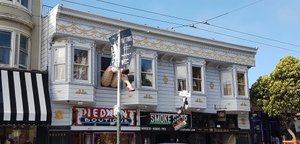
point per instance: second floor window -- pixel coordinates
(227, 83)
(23, 54)
(24, 3)
(5, 47)
(105, 63)
(181, 74)
(197, 79)
(59, 64)
(241, 83)
(81, 64)
(146, 72)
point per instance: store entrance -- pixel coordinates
(102, 138)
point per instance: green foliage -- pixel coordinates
(278, 94)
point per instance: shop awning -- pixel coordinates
(24, 98)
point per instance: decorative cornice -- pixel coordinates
(164, 45)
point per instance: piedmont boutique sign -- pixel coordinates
(102, 116)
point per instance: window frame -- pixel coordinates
(23, 50)
(245, 84)
(202, 78)
(232, 83)
(63, 64)
(176, 75)
(14, 58)
(153, 73)
(10, 48)
(100, 71)
(88, 64)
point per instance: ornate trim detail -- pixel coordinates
(199, 51)
(81, 91)
(148, 96)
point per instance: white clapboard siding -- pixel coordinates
(106, 97)
(213, 95)
(48, 29)
(61, 114)
(166, 96)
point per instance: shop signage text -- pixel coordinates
(165, 118)
(103, 116)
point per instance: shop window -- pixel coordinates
(81, 64)
(59, 64)
(18, 135)
(147, 72)
(227, 83)
(181, 74)
(241, 84)
(111, 138)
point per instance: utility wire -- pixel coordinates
(121, 12)
(192, 26)
(205, 22)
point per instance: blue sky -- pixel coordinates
(274, 19)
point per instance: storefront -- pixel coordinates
(93, 125)
(158, 127)
(25, 110)
(218, 128)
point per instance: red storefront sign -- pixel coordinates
(102, 116)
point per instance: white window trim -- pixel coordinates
(153, 73)
(89, 80)
(176, 78)
(53, 66)
(99, 72)
(202, 79)
(232, 84)
(143, 54)
(14, 51)
(246, 85)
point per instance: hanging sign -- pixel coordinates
(121, 48)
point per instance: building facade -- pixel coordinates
(165, 68)
(24, 98)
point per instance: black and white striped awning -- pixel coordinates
(24, 98)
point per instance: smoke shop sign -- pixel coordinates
(165, 118)
(102, 116)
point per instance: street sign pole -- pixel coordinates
(119, 92)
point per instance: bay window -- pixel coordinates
(147, 72)
(190, 76)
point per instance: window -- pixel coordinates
(23, 54)
(105, 63)
(227, 83)
(181, 77)
(80, 64)
(24, 3)
(5, 47)
(147, 72)
(241, 84)
(197, 78)
(59, 64)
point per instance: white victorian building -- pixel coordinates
(166, 66)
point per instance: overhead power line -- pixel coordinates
(219, 33)
(205, 22)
